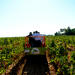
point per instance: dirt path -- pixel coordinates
(36, 65)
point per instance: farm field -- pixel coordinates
(37, 37)
(10, 50)
(61, 52)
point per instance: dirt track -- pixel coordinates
(36, 65)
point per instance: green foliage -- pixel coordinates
(59, 53)
(2, 70)
(52, 43)
(10, 47)
(73, 62)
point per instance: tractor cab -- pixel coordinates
(34, 43)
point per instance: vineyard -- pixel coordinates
(10, 50)
(61, 52)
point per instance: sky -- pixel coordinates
(19, 17)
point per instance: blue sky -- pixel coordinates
(19, 17)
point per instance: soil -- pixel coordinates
(36, 65)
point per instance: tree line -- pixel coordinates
(66, 31)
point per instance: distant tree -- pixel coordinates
(58, 33)
(67, 31)
(62, 30)
(73, 31)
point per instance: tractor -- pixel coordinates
(35, 44)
